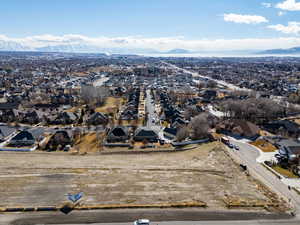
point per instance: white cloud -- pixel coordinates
(289, 5)
(247, 19)
(280, 13)
(160, 43)
(266, 4)
(291, 28)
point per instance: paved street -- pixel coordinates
(220, 82)
(191, 216)
(153, 119)
(248, 154)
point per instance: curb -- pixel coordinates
(95, 207)
(272, 171)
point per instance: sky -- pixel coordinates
(197, 25)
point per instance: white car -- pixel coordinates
(142, 222)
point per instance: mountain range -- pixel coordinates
(6, 45)
(280, 51)
(84, 48)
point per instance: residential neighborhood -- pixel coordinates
(118, 110)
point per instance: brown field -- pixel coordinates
(111, 105)
(205, 174)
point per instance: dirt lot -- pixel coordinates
(203, 174)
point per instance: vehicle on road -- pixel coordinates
(230, 145)
(142, 222)
(236, 147)
(225, 140)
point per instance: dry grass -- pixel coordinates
(204, 174)
(111, 105)
(139, 144)
(236, 202)
(264, 145)
(284, 172)
(88, 143)
(297, 121)
(217, 136)
(155, 205)
(265, 133)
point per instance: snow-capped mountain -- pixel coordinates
(12, 46)
(82, 48)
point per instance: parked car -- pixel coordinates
(230, 145)
(142, 222)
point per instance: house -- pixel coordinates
(60, 138)
(9, 115)
(118, 134)
(178, 122)
(23, 138)
(209, 94)
(66, 118)
(170, 133)
(6, 131)
(30, 117)
(283, 127)
(144, 133)
(289, 149)
(97, 118)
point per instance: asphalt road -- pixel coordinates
(169, 216)
(248, 154)
(150, 107)
(220, 82)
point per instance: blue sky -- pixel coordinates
(187, 19)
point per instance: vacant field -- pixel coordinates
(203, 174)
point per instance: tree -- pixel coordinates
(190, 111)
(93, 95)
(211, 84)
(182, 133)
(145, 142)
(200, 126)
(252, 109)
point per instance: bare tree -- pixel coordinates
(93, 95)
(211, 84)
(200, 126)
(252, 109)
(182, 133)
(190, 111)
